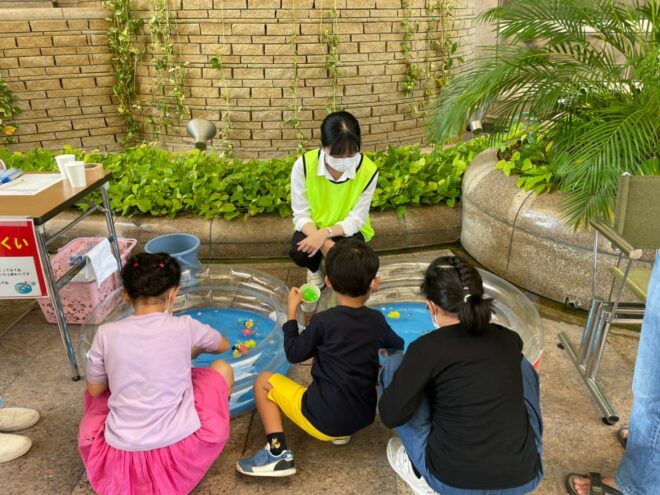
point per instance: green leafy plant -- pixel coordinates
(150, 180)
(171, 74)
(8, 110)
(589, 72)
(527, 154)
(407, 176)
(122, 43)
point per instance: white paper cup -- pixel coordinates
(76, 173)
(62, 160)
(310, 306)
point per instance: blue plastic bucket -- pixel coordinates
(183, 247)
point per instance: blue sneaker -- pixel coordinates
(263, 463)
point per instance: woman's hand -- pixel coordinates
(295, 298)
(313, 242)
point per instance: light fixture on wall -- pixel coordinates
(474, 122)
(201, 131)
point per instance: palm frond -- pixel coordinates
(589, 71)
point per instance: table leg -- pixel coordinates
(111, 224)
(51, 282)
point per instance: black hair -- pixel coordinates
(149, 275)
(351, 265)
(340, 134)
(454, 285)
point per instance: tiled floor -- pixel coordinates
(33, 374)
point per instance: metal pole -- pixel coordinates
(51, 282)
(111, 224)
(589, 329)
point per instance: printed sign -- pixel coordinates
(21, 273)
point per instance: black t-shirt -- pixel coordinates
(344, 343)
(480, 434)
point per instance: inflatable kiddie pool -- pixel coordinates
(246, 306)
(401, 301)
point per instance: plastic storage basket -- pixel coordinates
(80, 298)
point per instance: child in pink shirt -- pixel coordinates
(151, 424)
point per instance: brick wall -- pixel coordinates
(57, 63)
(252, 36)
(78, 3)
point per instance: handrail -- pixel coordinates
(617, 240)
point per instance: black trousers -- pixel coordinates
(313, 263)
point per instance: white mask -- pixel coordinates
(435, 324)
(343, 164)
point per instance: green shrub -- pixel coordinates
(527, 154)
(150, 180)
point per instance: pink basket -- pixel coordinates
(80, 298)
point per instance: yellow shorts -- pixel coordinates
(288, 394)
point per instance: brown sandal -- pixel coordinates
(596, 485)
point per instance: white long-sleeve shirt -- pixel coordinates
(302, 213)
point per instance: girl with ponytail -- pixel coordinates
(463, 400)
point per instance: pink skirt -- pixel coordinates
(174, 469)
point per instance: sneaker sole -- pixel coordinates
(391, 453)
(342, 441)
(267, 474)
(17, 454)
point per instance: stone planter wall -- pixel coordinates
(267, 236)
(522, 237)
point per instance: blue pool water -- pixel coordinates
(410, 320)
(267, 353)
(230, 323)
(413, 320)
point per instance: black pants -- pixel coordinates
(313, 263)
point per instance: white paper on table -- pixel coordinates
(29, 184)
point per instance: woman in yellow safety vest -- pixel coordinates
(331, 192)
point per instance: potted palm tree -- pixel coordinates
(588, 72)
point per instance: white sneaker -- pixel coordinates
(317, 278)
(400, 462)
(17, 418)
(341, 441)
(13, 446)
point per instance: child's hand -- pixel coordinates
(295, 298)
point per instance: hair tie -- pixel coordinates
(136, 264)
(161, 265)
(467, 296)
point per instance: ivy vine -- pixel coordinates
(8, 110)
(413, 72)
(295, 106)
(331, 41)
(168, 95)
(444, 46)
(431, 76)
(225, 116)
(122, 43)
